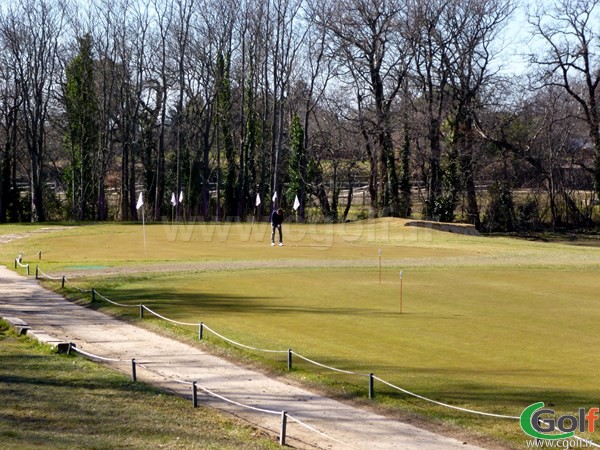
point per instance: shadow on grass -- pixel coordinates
(511, 400)
(38, 365)
(193, 304)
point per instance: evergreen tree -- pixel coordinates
(226, 138)
(82, 131)
(297, 162)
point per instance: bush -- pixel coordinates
(500, 213)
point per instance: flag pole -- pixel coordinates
(295, 207)
(140, 204)
(144, 229)
(256, 205)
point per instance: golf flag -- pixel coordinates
(257, 199)
(296, 203)
(140, 202)
(274, 196)
(180, 196)
(173, 201)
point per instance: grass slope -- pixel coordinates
(55, 401)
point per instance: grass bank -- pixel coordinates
(56, 401)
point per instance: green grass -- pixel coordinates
(492, 324)
(56, 401)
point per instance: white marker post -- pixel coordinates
(256, 205)
(401, 273)
(295, 207)
(140, 204)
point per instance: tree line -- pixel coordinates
(219, 103)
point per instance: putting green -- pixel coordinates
(492, 324)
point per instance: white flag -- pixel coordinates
(257, 199)
(296, 203)
(274, 196)
(140, 202)
(180, 196)
(173, 201)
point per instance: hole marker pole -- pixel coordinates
(401, 273)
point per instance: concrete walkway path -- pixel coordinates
(161, 361)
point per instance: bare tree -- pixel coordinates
(473, 29)
(9, 115)
(31, 31)
(368, 38)
(430, 48)
(570, 34)
(287, 42)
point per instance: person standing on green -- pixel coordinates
(276, 221)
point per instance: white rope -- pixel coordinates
(501, 416)
(114, 303)
(587, 442)
(169, 320)
(189, 383)
(83, 291)
(91, 355)
(328, 367)
(23, 255)
(47, 276)
(18, 261)
(242, 345)
(253, 408)
(314, 430)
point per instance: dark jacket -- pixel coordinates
(276, 219)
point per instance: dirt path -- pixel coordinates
(161, 361)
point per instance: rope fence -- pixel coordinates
(283, 414)
(314, 430)
(91, 355)
(290, 352)
(471, 411)
(329, 367)
(242, 345)
(19, 264)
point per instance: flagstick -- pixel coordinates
(401, 292)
